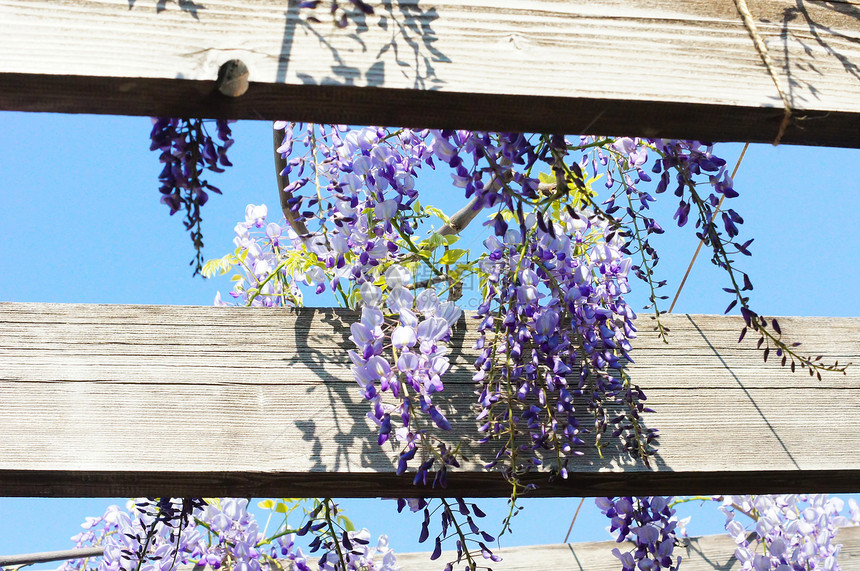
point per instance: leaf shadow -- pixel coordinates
(189, 6)
(810, 26)
(409, 34)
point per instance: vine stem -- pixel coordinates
(327, 502)
(462, 218)
(701, 242)
(466, 552)
(48, 556)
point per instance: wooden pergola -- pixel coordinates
(246, 379)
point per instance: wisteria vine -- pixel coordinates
(554, 328)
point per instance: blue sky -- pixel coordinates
(82, 222)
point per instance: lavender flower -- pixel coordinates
(788, 531)
(222, 533)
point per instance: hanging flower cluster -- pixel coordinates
(186, 149)
(647, 522)
(554, 326)
(161, 534)
(404, 355)
(787, 532)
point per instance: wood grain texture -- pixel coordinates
(706, 553)
(113, 400)
(648, 68)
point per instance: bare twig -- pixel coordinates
(761, 48)
(430, 282)
(463, 217)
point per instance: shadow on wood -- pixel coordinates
(538, 66)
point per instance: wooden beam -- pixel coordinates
(706, 553)
(668, 69)
(112, 400)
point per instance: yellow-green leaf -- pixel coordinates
(433, 242)
(436, 212)
(346, 522)
(452, 256)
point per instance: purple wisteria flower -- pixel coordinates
(416, 328)
(186, 150)
(551, 283)
(649, 523)
(222, 534)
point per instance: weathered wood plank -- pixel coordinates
(205, 401)
(706, 553)
(675, 69)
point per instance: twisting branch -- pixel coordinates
(280, 164)
(462, 218)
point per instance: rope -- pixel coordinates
(760, 46)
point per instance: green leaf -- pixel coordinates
(353, 298)
(266, 504)
(412, 267)
(346, 522)
(451, 238)
(433, 242)
(451, 256)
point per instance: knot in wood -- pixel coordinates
(232, 78)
